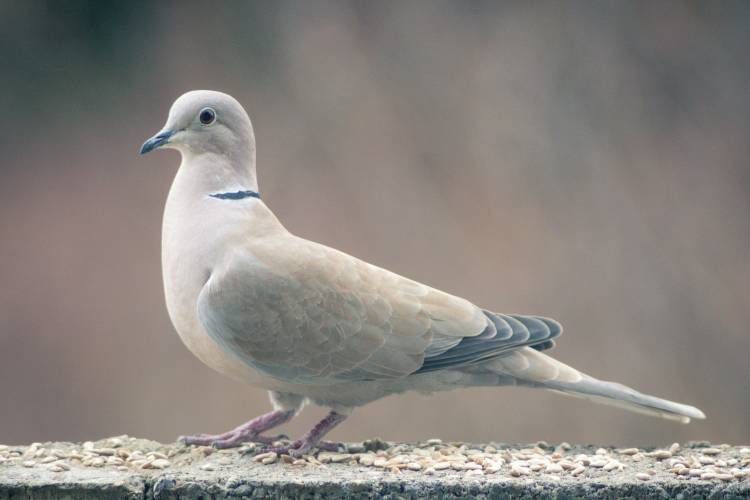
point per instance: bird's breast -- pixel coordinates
(192, 245)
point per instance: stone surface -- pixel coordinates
(128, 468)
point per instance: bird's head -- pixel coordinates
(205, 121)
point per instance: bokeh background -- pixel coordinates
(582, 160)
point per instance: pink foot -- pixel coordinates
(249, 431)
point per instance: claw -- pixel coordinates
(294, 449)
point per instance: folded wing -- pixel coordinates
(307, 313)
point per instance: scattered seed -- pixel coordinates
(612, 465)
(160, 463)
(260, 456)
(335, 458)
(553, 468)
(62, 465)
(429, 457)
(115, 442)
(205, 450)
(492, 469)
(566, 465)
(104, 451)
(517, 471)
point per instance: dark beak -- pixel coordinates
(158, 140)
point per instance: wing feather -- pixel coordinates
(306, 313)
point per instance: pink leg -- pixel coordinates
(313, 437)
(249, 431)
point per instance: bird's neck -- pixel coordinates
(208, 174)
(199, 222)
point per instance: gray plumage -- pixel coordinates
(308, 322)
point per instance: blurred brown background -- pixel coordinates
(583, 160)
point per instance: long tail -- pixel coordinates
(532, 368)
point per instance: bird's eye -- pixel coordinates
(207, 116)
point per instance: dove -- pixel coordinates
(311, 324)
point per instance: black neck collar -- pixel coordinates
(237, 195)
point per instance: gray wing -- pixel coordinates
(305, 313)
(510, 332)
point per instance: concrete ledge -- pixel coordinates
(128, 468)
